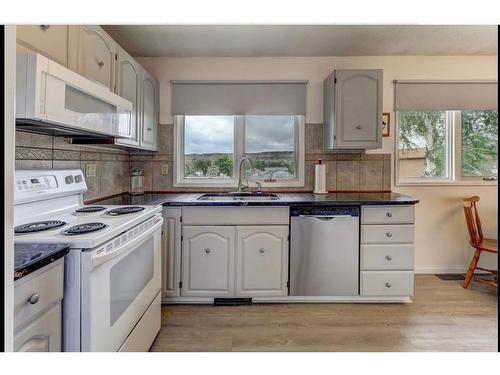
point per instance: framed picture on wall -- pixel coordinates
(386, 124)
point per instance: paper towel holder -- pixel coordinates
(320, 178)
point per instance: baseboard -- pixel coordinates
(440, 269)
(432, 270)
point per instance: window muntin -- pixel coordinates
(270, 144)
(461, 149)
(208, 147)
(479, 143)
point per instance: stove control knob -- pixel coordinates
(78, 178)
(68, 179)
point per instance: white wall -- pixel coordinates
(9, 142)
(441, 244)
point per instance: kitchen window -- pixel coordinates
(447, 147)
(209, 148)
(446, 132)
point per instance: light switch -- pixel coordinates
(164, 169)
(90, 170)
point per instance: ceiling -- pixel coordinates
(328, 40)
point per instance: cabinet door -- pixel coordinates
(48, 40)
(358, 108)
(171, 252)
(128, 80)
(208, 261)
(149, 109)
(43, 334)
(94, 57)
(262, 261)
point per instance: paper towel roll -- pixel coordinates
(320, 179)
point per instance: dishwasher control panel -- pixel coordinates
(324, 211)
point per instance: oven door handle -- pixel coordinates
(97, 260)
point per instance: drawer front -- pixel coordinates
(388, 214)
(47, 283)
(387, 257)
(387, 233)
(234, 215)
(387, 283)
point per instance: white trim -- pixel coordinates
(239, 147)
(425, 270)
(293, 299)
(9, 142)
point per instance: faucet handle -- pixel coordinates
(259, 185)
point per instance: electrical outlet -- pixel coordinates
(164, 169)
(90, 170)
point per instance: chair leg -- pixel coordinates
(472, 267)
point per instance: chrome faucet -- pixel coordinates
(240, 186)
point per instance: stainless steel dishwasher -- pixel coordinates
(324, 251)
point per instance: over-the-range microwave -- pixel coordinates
(51, 99)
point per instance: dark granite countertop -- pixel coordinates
(285, 199)
(30, 257)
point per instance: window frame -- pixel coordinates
(239, 152)
(453, 160)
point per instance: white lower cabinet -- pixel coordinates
(42, 334)
(208, 261)
(261, 261)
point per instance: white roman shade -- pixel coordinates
(238, 97)
(445, 95)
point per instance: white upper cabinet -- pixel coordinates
(208, 261)
(149, 111)
(92, 53)
(128, 86)
(49, 40)
(353, 109)
(261, 260)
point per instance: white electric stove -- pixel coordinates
(112, 272)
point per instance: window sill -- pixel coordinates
(447, 183)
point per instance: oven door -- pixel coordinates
(120, 280)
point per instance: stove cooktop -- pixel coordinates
(38, 226)
(84, 228)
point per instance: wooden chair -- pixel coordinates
(479, 243)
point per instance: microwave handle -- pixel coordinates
(97, 260)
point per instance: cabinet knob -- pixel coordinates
(388, 285)
(261, 250)
(44, 27)
(34, 298)
(101, 64)
(389, 234)
(148, 129)
(388, 257)
(359, 127)
(207, 250)
(389, 214)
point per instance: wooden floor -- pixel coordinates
(443, 317)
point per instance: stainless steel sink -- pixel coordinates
(238, 196)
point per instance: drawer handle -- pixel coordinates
(389, 214)
(101, 64)
(388, 257)
(388, 285)
(389, 234)
(207, 250)
(34, 298)
(44, 27)
(261, 250)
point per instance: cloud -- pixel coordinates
(215, 134)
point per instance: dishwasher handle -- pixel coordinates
(327, 216)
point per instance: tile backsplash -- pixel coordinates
(345, 171)
(34, 151)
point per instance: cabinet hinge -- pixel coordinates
(180, 284)
(182, 238)
(180, 219)
(335, 80)
(334, 137)
(116, 56)
(162, 232)
(288, 284)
